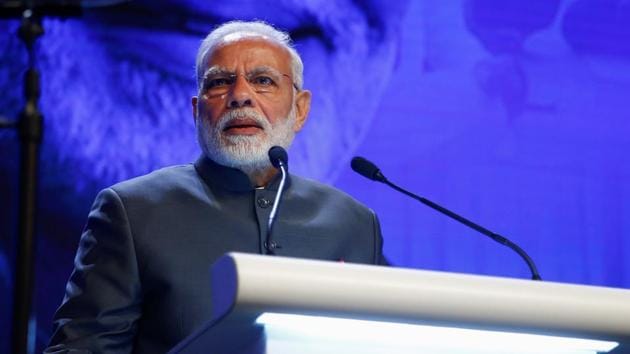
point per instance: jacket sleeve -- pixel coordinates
(379, 257)
(102, 303)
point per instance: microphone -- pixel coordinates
(278, 156)
(369, 170)
(279, 159)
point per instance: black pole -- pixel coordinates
(30, 132)
(30, 129)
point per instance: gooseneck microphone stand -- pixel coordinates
(369, 170)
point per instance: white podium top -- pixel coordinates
(248, 284)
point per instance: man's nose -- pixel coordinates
(240, 95)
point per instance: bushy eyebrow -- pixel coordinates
(264, 69)
(217, 70)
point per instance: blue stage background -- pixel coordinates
(513, 113)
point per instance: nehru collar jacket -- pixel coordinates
(141, 281)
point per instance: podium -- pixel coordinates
(273, 305)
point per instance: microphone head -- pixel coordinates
(367, 169)
(278, 155)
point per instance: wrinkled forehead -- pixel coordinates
(252, 48)
(250, 38)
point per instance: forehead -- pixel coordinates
(247, 53)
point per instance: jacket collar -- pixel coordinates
(231, 179)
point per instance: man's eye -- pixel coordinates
(262, 80)
(218, 82)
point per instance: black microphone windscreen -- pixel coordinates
(366, 169)
(278, 154)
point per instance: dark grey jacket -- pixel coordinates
(141, 278)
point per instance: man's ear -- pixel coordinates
(303, 106)
(195, 108)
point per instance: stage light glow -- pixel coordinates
(318, 334)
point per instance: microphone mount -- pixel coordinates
(280, 160)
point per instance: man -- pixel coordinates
(141, 278)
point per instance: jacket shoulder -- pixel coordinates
(308, 188)
(162, 180)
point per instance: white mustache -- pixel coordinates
(242, 114)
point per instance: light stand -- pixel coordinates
(30, 128)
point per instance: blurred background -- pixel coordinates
(514, 113)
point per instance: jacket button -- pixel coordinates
(271, 245)
(263, 202)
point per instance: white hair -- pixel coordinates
(242, 29)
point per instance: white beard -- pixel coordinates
(248, 153)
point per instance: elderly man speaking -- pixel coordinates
(141, 277)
